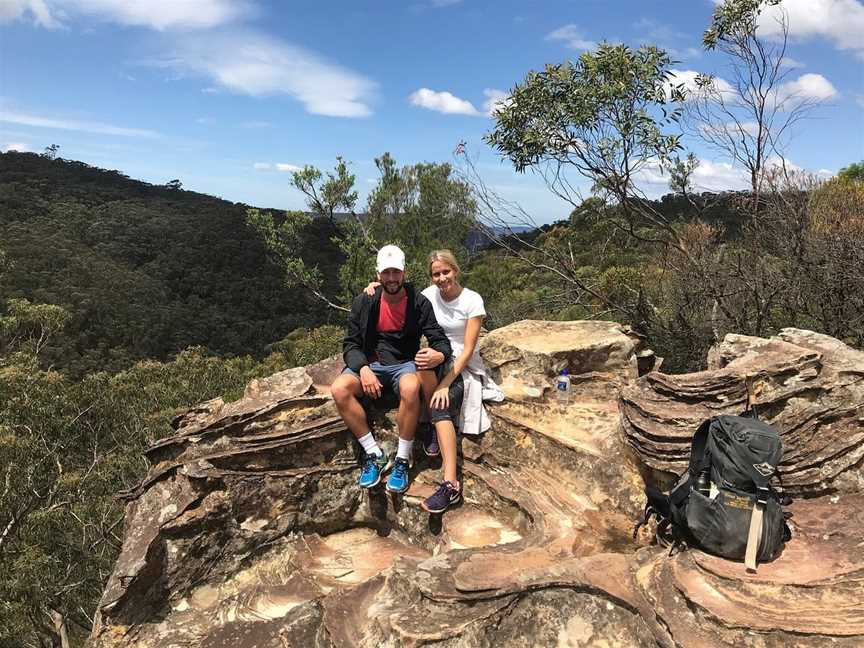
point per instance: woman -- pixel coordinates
(458, 398)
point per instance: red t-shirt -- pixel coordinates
(391, 317)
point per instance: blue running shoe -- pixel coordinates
(398, 481)
(373, 467)
(446, 496)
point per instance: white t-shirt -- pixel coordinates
(453, 315)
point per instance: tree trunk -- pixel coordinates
(59, 622)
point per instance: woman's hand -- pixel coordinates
(440, 399)
(370, 289)
(428, 358)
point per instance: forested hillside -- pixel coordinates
(144, 271)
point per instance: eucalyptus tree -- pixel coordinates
(750, 114)
(609, 117)
(417, 206)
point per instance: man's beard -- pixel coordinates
(395, 291)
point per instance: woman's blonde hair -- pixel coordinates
(445, 256)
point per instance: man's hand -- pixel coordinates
(370, 289)
(369, 381)
(428, 358)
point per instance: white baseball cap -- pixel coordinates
(390, 256)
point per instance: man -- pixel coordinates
(382, 352)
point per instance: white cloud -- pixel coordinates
(572, 37)
(443, 102)
(74, 125)
(16, 146)
(253, 64)
(859, 99)
(37, 9)
(790, 63)
(778, 162)
(809, 87)
(708, 176)
(155, 14)
(278, 166)
(840, 21)
(651, 174)
(687, 78)
(494, 100)
(719, 176)
(713, 176)
(733, 129)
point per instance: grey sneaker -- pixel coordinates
(446, 496)
(430, 443)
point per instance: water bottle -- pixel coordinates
(703, 482)
(562, 387)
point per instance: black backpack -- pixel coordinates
(724, 503)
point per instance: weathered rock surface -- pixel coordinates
(810, 386)
(249, 529)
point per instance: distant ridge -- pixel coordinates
(144, 270)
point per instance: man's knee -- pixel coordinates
(428, 380)
(341, 390)
(409, 387)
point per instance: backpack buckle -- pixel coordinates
(762, 493)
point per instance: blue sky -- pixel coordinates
(230, 95)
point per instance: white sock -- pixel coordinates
(369, 444)
(404, 451)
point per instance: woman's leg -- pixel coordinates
(445, 430)
(447, 441)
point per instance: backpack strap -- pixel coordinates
(752, 393)
(754, 536)
(656, 506)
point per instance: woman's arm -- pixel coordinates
(370, 289)
(472, 334)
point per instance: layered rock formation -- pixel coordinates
(249, 529)
(810, 386)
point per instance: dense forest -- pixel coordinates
(144, 271)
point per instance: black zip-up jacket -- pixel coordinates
(361, 339)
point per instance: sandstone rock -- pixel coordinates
(249, 529)
(809, 386)
(811, 596)
(526, 357)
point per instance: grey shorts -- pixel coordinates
(389, 375)
(456, 393)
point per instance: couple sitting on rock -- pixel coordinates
(382, 352)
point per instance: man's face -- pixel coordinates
(392, 280)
